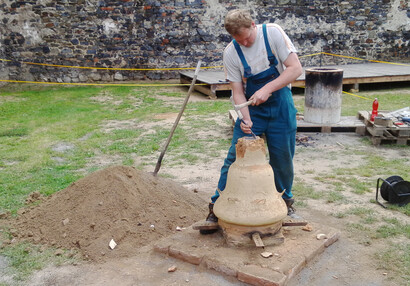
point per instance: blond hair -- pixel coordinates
(237, 19)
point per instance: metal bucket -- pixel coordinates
(323, 95)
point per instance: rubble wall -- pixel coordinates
(143, 34)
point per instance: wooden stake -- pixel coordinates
(191, 88)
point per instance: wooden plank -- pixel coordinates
(378, 140)
(208, 77)
(201, 88)
(346, 124)
(377, 130)
(379, 134)
(352, 74)
(257, 240)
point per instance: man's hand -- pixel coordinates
(291, 73)
(260, 96)
(246, 126)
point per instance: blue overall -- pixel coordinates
(276, 118)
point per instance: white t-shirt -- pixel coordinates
(256, 55)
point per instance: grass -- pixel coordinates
(120, 123)
(24, 258)
(39, 119)
(395, 260)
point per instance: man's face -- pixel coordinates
(246, 36)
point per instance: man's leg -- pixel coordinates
(281, 145)
(230, 158)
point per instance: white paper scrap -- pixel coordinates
(112, 244)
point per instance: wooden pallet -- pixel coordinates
(384, 134)
(213, 82)
(346, 124)
(389, 139)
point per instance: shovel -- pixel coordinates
(191, 88)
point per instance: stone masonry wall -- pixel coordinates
(144, 34)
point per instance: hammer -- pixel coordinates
(238, 108)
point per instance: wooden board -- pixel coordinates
(379, 134)
(346, 124)
(213, 81)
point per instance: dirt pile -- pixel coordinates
(122, 203)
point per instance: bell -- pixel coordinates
(250, 202)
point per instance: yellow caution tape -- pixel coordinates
(162, 69)
(346, 93)
(362, 97)
(101, 68)
(374, 61)
(311, 55)
(128, 84)
(101, 84)
(190, 68)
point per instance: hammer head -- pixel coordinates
(237, 110)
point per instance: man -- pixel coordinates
(260, 63)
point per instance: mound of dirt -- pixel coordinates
(121, 203)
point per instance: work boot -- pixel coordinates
(289, 205)
(211, 218)
(291, 209)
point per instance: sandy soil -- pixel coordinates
(183, 201)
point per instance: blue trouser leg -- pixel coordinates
(281, 137)
(281, 146)
(230, 158)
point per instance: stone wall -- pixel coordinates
(143, 34)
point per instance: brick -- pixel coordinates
(185, 256)
(256, 275)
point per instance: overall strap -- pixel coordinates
(247, 68)
(271, 57)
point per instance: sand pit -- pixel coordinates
(122, 203)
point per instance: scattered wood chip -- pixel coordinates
(179, 228)
(266, 254)
(307, 227)
(321, 236)
(112, 244)
(59, 252)
(66, 221)
(173, 268)
(4, 215)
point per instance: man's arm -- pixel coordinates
(291, 73)
(238, 98)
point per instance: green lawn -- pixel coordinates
(49, 136)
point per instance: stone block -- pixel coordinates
(246, 263)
